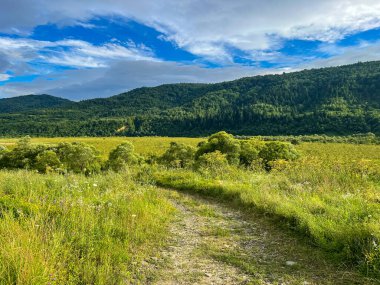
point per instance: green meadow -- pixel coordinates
(98, 228)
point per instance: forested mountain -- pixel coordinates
(335, 100)
(31, 103)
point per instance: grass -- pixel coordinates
(73, 229)
(331, 195)
(65, 228)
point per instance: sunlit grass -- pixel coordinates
(331, 195)
(143, 145)
(73, 229)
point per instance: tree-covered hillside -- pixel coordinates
(336, 100)
(31, 103)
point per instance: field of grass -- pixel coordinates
(331, 194)
(73, 229)
(84, 229)
(143, 145)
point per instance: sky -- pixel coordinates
(81, 49)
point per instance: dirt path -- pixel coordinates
(215, 244)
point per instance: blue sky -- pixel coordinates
(96, 49)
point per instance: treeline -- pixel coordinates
(335, 101)
(218, 153)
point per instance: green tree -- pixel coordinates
(223, 142)
(47, 161)
(79, 157)
(249, 151)
(178, 155)
(273, 151)
(122, 156)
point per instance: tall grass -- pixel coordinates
(332, 200)
(73, 229)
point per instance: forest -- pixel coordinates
(340, 100)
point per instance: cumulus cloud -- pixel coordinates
(73, 53)
(203, 26)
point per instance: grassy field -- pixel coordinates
(143, 145)
(73, 227)
(331, 194)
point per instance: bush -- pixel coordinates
(249, 151)
(224, 143)
(178, 155)
(22, 156)
(47, 161)
(122, 156)
(273, 151)
(79, 157)
(212, 163)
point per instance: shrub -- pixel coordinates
(22, 156)
(121, 156)
(47, 161)
(178, 155)
(79, 157)
(249, 151)
(224, 143)
(273, 151)
(212, 163)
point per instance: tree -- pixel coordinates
(22, 156)
(273, 151)
(178, 155)
(249, 151)
(223, 142)
(121, 156)
(47, 161)
(79, 157)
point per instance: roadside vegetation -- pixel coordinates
(328, 193)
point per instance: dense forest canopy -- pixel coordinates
(337, 100)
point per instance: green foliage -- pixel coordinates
(47, 161)
(178, 155)
(3, 150)
(224, 143)
(273, 151)
(122, 156)
(249, 151)
(79, 157)
(212, 163)
(22, 156)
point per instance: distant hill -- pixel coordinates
(336, 100)
(30, 103)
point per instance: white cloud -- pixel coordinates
(76, 53)
(203, 26)
(4, 77)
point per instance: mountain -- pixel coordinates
(30, 103)
(336, 100)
